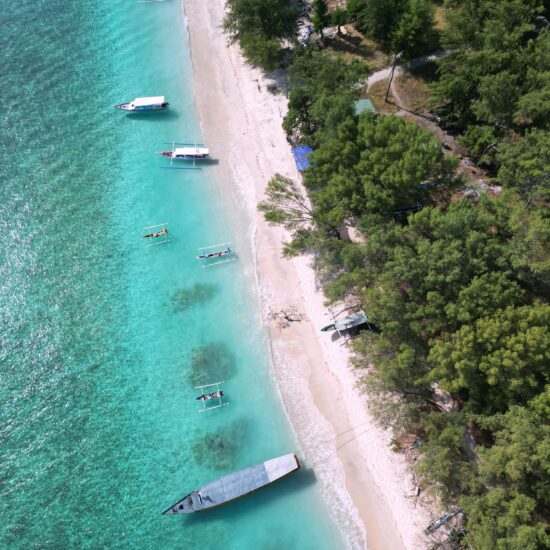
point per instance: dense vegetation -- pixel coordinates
(496, 82)
(260, 26)
(401, 25)
(457, 286)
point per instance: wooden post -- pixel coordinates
(394, 63)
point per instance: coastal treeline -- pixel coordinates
(454, 275)
(260, 27)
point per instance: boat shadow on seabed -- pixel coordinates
(284, 487)
(167, 114)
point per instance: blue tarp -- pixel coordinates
(301, 155)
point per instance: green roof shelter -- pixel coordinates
(364, 105)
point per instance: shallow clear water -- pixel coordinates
(103, 339)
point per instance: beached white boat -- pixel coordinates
(144, 104)
(187, 152)
(235, 485)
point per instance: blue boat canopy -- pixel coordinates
(301, 157)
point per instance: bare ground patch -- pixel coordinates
(377, 94)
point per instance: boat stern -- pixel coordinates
(282, 466)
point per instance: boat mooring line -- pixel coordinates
(340, 446)
(346, 431)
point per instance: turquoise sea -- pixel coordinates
(103, 339)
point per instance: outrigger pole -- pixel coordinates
(226, 251)
(217, 394)
(173, 143)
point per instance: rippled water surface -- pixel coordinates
(103, 339)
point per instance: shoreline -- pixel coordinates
(370, 490)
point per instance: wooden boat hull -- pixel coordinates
(235, 485)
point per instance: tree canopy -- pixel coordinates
(496, 79)
(370, 166)
(319, 16)
(500, 360)
(321, 93)
(259, 26)
(401, 25)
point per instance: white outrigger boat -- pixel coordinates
(235, 485)
(144, 104)
(186, 151)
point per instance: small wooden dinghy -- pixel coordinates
(235, 485)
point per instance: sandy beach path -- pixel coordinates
(366, 485)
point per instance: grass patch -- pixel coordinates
(440, 22)
(377, 94)
(414, 88)
(354, 45)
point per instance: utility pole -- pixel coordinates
(394, 63)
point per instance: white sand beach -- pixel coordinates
(366, 485)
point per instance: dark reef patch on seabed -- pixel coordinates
(219, 450)
(187, 297)
(211, 363)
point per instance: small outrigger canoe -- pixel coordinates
(235, 485)
(161, 233)
(216, 254)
